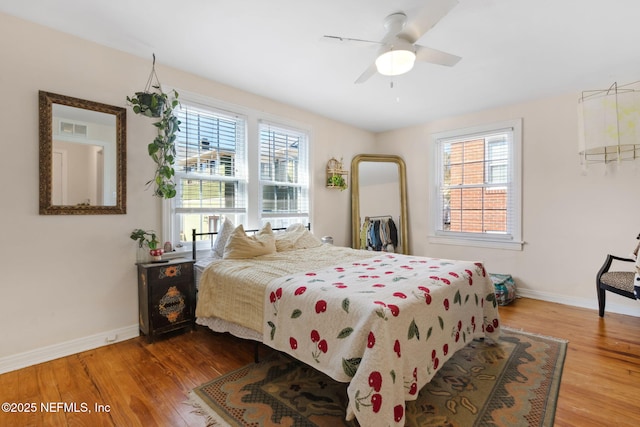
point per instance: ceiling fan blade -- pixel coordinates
(429, 16)
(348, 40)
(434, 56)
(367, 74)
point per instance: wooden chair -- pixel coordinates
(619, 282)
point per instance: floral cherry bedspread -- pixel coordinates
(385, 325)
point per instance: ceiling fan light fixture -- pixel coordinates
(393, 62)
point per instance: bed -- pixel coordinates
(382, 322)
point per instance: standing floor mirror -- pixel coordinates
(379, 192)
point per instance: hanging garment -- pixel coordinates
(376, 243)
(384, 234)
(364, 231)
(393, 233)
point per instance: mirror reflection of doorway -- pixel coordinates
(78, 174)
(59, 181)
(99, 183)
(88, 138)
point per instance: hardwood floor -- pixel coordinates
(147, 384)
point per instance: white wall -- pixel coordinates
(571, 220)
(69, 281)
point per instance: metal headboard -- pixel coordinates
(194, 235)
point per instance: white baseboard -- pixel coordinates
(55, 351)
(591, 303)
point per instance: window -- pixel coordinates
(497, 157)
(236, 165)
(284, 178)
(476, 186)
(210, 171)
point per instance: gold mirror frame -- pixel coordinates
(355, 197)
(46, 101)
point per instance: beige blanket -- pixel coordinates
(233, 290)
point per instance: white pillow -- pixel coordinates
(223, 237)
(241, 246)
(296, 237)
(296, 227)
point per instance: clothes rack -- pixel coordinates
(379, 233)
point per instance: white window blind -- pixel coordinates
(284, 175)
(211, 170)
(477, 185)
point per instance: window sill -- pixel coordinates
(177, 253)
(478, 243)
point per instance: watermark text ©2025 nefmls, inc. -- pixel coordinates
(76, 407)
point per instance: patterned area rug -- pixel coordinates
(513, 383)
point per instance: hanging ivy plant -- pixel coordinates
(153, 102)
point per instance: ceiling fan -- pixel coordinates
(398, 51)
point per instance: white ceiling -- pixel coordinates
(512, 50)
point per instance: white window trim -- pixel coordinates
(488, 240)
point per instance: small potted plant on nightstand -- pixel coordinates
(147, 238)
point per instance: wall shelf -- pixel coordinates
(337, 177)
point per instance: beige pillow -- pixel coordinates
(296, 237)
(240, 246)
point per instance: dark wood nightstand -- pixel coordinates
(166, 297)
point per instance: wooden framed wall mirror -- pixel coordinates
(82, 156)
(379, 190)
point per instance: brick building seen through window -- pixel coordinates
(474, 191)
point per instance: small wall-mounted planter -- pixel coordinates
(336, 176)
